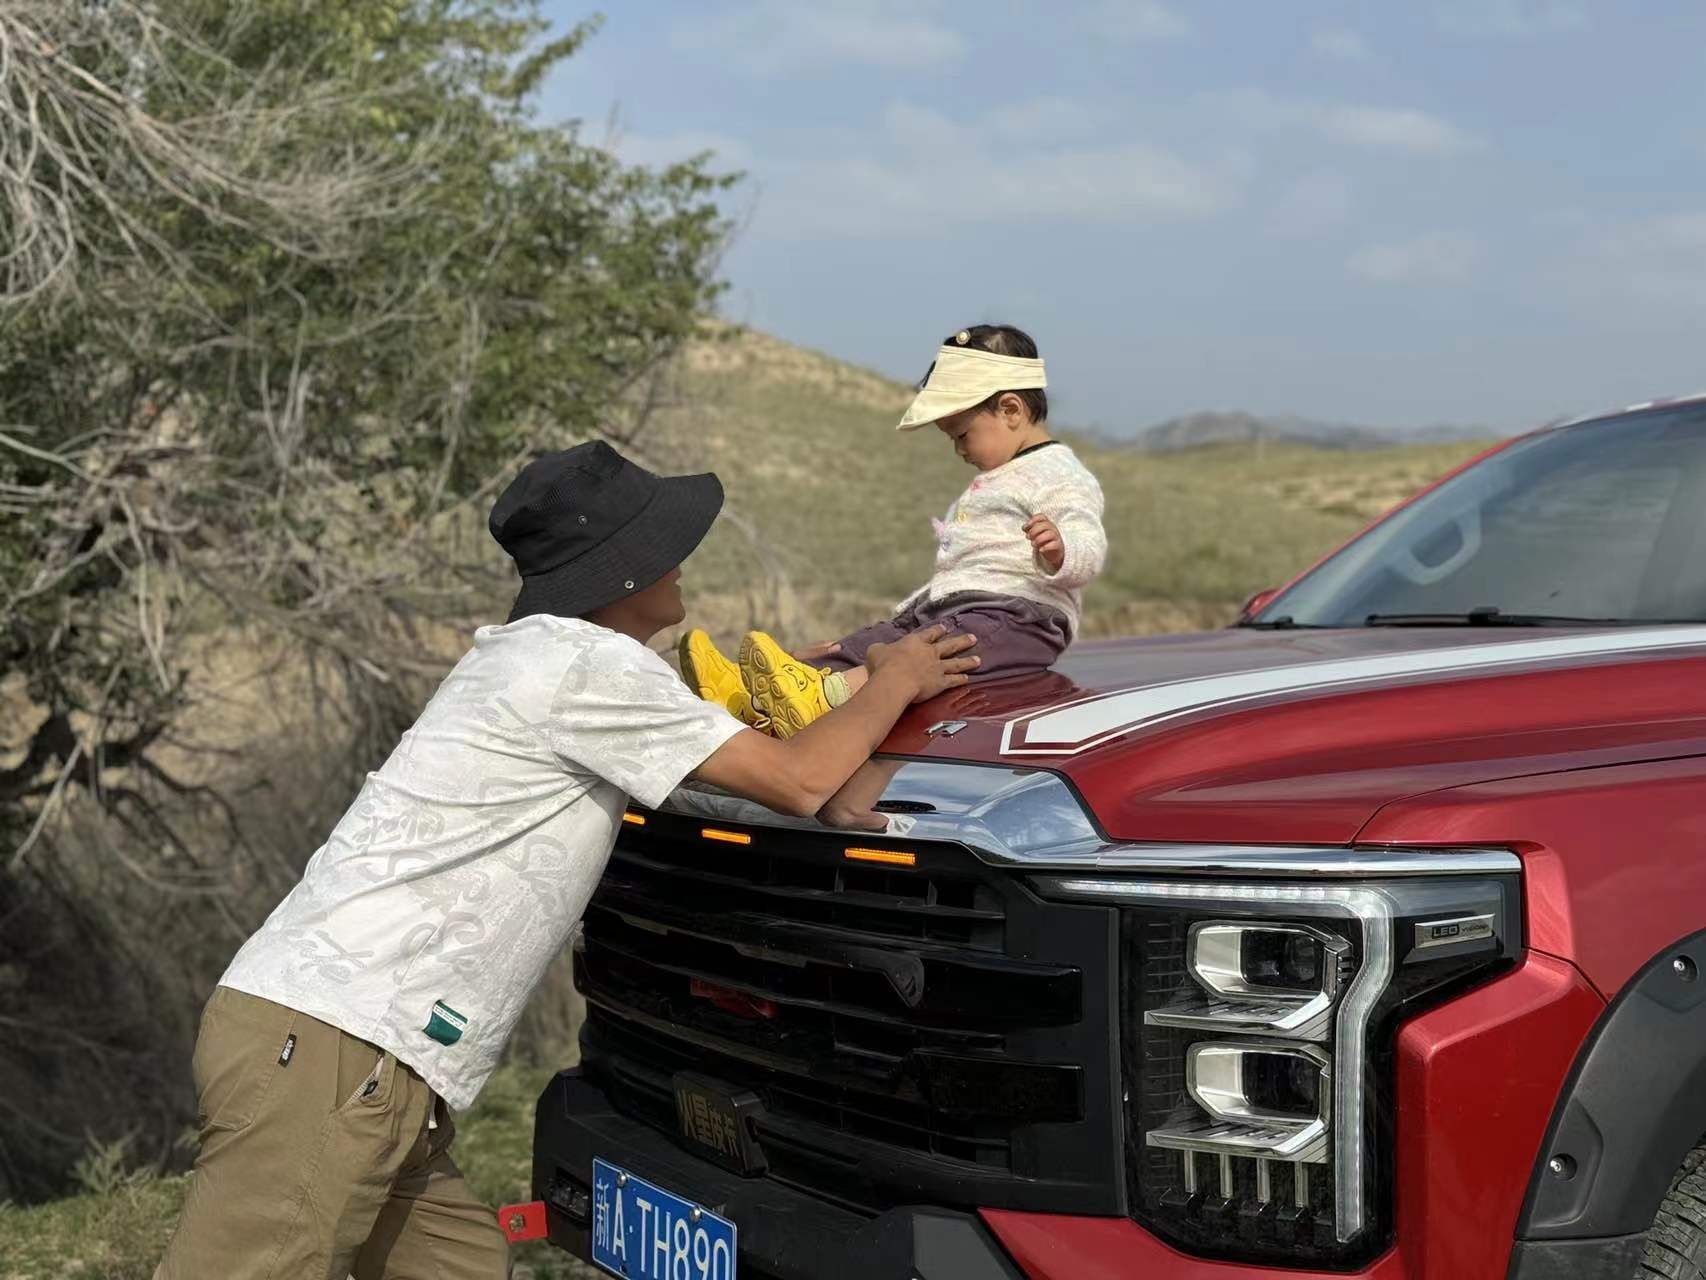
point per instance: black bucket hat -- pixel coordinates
(587, 527)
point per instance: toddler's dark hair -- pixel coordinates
(1002, 340)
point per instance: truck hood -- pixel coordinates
(1285, 737)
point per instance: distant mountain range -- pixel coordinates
(1198, 430)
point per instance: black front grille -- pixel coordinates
(900, 904)
(921, 1032)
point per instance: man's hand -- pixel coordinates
(850, 817)
(800, 775)
(1046, 542)
(929, 661)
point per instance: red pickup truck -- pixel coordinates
(1361, 938)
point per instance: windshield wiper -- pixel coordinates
(1285, 622)
(1489, 616)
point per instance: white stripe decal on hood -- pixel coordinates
(1079, 726)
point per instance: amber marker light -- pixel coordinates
(889, 857)
(637, 819)
(727, 837)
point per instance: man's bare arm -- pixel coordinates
(799, 775)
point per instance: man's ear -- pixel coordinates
(1012, 410)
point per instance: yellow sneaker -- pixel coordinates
(785, 690)
(714, 678)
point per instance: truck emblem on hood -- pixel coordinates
(946, 728)
(1078, 726)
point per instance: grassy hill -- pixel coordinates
(841, 503)
(827, 525)
(1197, 430)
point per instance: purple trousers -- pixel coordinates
(1013, 634)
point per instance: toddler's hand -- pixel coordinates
(1046, 542)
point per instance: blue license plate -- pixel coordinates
(643, 1232)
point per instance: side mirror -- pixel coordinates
(1256, 603)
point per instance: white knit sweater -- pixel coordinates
(981, 545)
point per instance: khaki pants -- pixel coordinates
(318, 1160)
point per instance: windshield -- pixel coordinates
(1605, 521)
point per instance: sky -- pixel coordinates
(1393, 213)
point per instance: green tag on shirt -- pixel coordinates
(445, 1025)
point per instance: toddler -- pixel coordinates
(1013, 554)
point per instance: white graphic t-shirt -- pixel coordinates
(431, 912)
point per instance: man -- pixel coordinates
(379, 994)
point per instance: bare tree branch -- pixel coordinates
(67, 128)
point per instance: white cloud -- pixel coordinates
(1029, 121)
(1048, 119)
(1376, 128)
(1314, 203)
(1660, 259)
(1393, 129)
(1511, 17)
(929, 171)
(1341, 43)
(1138, 20)
(657, 150)
(1563, 217)
(792, 37)
(910, 125)
(1440, 257)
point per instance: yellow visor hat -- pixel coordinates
(962, 378)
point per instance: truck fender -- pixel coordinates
(1632, 1109)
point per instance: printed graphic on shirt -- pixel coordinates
(460, 870)
(445, 1025)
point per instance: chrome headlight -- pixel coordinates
(1257, 1022)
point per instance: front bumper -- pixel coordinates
(1488, 1064)
(785, 1234)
